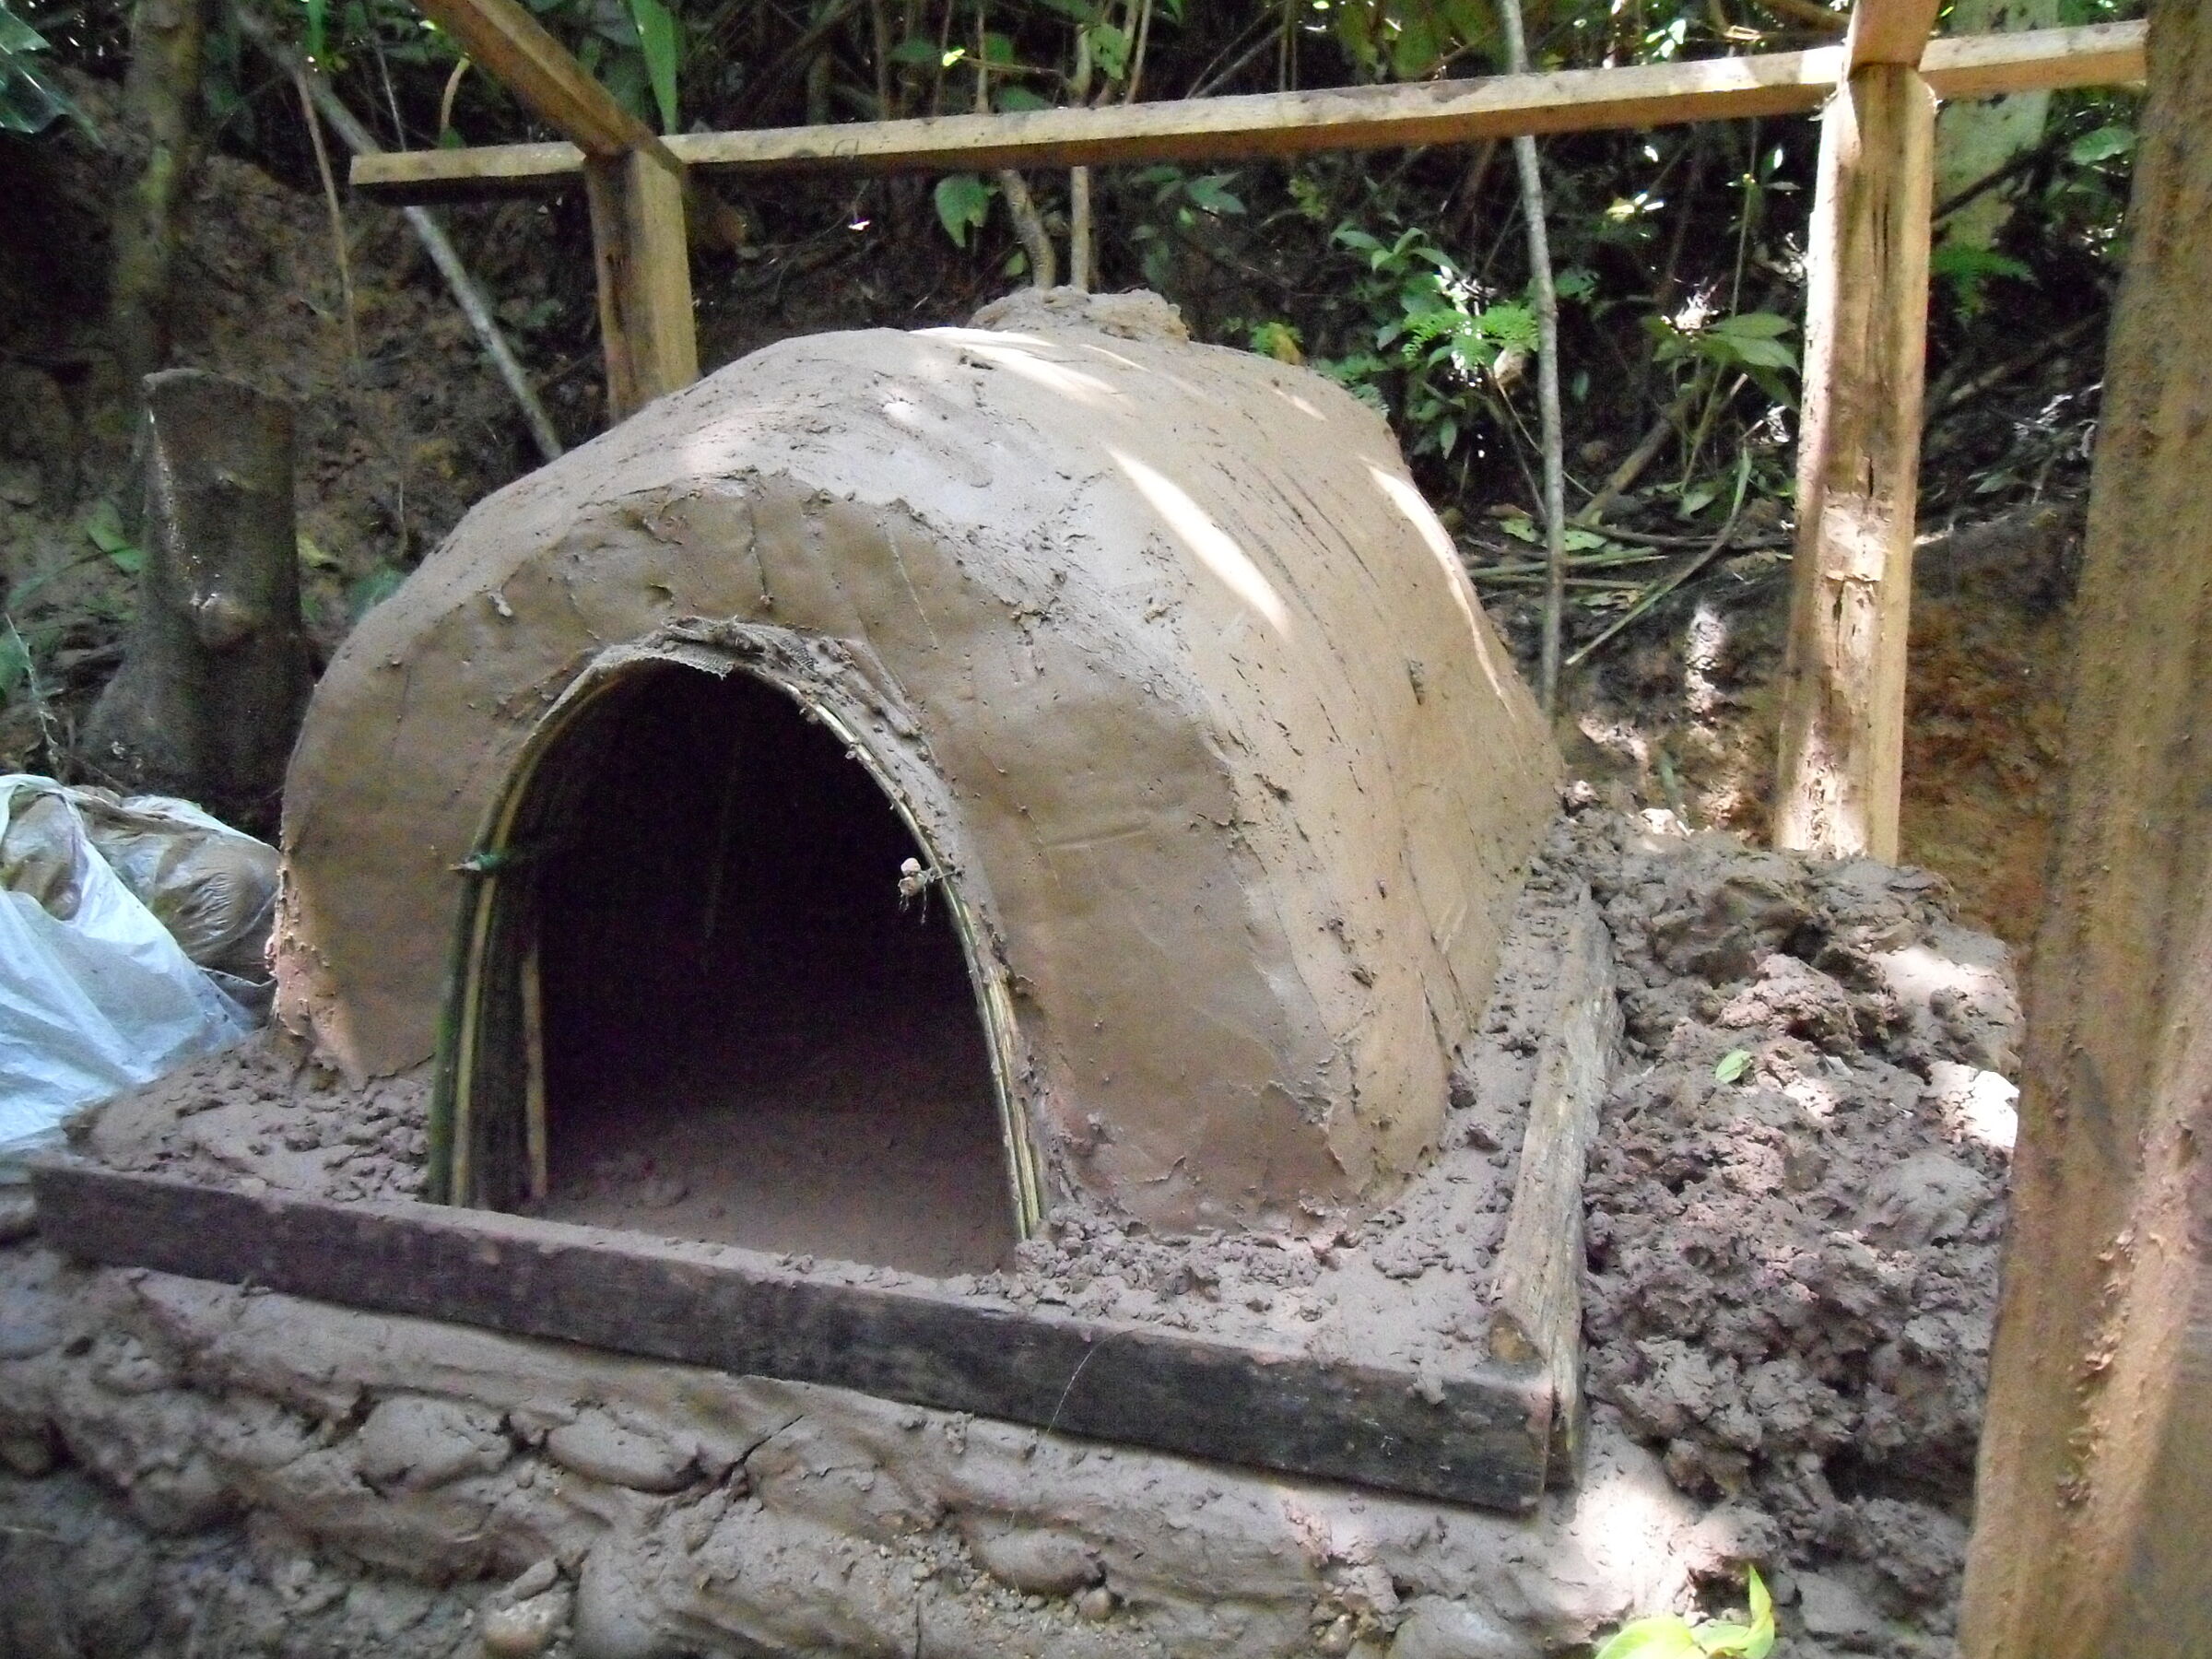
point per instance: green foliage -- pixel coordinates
(1968, 270)
(1669, 1636)
(31, 100)
(2102, 144)
(963, 203)
(1748, 342)
(657, 44)
(103, 529)
(1409, 39)
(1439, 337)
(1733, 1065)
(371, 590)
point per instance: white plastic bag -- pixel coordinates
(96, 995)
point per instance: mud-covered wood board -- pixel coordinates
(1479, 1435)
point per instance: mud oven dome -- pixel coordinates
(907, 783)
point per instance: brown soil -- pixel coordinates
(1794, 1208)
(1679, 715)
(392, 447)
(1792, 1254)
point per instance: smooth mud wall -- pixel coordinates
(1198, 707)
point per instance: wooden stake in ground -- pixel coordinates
(214, 684)
(645, 264)
(1858, 461)
(1548, 374)
(2094, 1512)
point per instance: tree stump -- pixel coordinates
(216, 678)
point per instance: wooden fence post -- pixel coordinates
(644, 267)
(2093, 1512)
(1866, 346)
(636, 188)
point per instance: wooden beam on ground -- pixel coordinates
(1476, 1433)
(1841, 759)
(1278, 124)
(2093, 1512)
(644, 268)
(1536, 1295)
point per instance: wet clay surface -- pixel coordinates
(838, 1144)
(1174, 667)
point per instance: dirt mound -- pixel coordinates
(1794, 1209)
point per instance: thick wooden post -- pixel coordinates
(209, 698)
(644, 267)
(1865, 344)
(2093, 1535)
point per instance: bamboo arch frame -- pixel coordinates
(481, 1154)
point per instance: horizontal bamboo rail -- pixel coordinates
(1281, 123)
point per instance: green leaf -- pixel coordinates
(916, 51)
(1011, 99)
(30, 101)
(963, 203)
(1212, 194)
(1733, 1065)
(1576, 282)
(1511, 323)
(1521, 528)
(314, 557)
(1755, 325)
(15, 661)
(103, 529)
(1762, 1619)
(1762, 354)
(1963, 263)
(372, 590)
(103, 526)
(1109, 49)
(1663, 1636)
(2102, 145)
(657, 41)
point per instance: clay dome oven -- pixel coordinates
(908, 781)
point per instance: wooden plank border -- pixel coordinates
(1537, 1283)
(1478, 1436)
(1276, 124)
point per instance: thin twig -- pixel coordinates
(1947, 395)
(445, 99)
(1647, 450)
(1690, 567)
(337, 213)
(463, 286)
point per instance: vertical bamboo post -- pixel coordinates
(644, 268)
(1865, 342)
